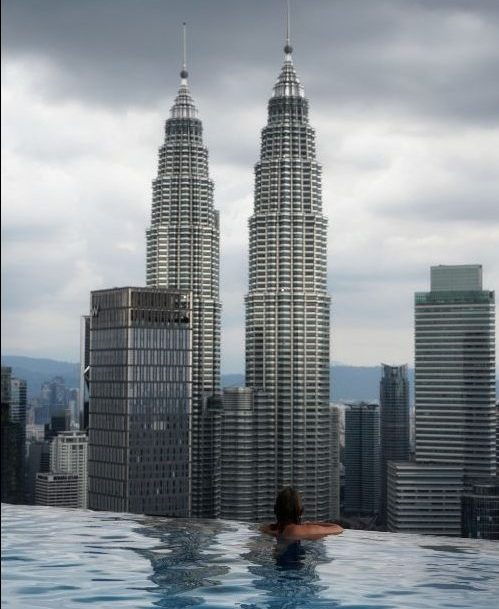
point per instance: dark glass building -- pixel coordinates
(140, 401)
(395, 427)
(362, 459)
(480, 510)
(13, 435)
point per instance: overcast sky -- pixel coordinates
(404, 97)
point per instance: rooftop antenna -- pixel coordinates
(184, 73)
(288, 49)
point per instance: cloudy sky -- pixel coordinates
(404, 97)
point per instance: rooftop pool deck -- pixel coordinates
(67, 559)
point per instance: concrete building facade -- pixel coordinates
(183, 254)
(287, 305)
(69, 453)
(57, 489)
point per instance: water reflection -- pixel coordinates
(185, 560)
(286, 571)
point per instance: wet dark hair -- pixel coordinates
(288, 507)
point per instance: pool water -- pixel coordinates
(67, 559)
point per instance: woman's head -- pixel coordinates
(288, 508)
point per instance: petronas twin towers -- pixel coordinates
(287, 305)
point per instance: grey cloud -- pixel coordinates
(439, 59)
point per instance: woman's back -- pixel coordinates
(288, 510)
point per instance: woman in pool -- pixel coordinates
(288, 510)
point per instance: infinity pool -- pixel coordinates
(66, 559)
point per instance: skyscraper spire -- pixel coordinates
(288, 49)
(184, 73)
(183, 253)
(184, 105)
(287, 305)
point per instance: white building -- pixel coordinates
(424, 498)
(69, 453)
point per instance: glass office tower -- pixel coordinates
(140, 401)
(394, 402)
(455, 371)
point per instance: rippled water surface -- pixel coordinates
(67, 559)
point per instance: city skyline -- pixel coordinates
(408, 163)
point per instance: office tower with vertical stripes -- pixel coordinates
(362, 459)
(248, 456)
(455, 405)
(140, 401)
(287, 305)
(183, 254)
(394, 402)
(455, 371)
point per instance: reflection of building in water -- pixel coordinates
(187, 558)
(271, 562)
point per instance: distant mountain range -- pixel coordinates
(348, 383)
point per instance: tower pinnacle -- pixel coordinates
(288, 49)
(184, 73)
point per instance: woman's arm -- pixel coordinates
(312, 530)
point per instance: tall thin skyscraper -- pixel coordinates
(287, 306)
(183, 253)
(394, 402)
(362, 459)
(455, 371)
(334, 490)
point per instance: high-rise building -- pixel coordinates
(210, 454)
(424, 498)
(57, 489)
(362, 459)
(37, 461)
(497, 439)
(395, 432)
(480, 510)
(13, 436)
(19, 402)
(334, 491)
(455, 372)
(83, 394)
(287, 306)
(238, 454)
(140, 401)
(247, 455)
(183, 254)
(454, 404)
(68, 453)
(54, 396)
